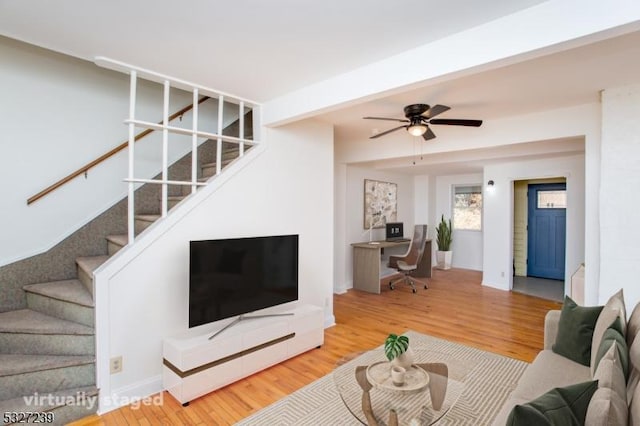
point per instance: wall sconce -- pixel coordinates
(490, 183)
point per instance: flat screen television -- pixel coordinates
(231, 277)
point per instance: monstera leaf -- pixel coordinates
(395, 345)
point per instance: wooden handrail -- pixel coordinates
(111, 153)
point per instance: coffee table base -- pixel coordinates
(438, 375)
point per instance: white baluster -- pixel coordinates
(132, 141)
(165, 147)
(241, 133)
(194, 143)
(219, 144)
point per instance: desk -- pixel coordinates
(366, 263)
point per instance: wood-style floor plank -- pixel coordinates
(455, 307)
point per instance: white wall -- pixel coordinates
(619, 187)
(498, 215)
(466, 245)
(341, 248)
(421, 199)
(287, 189)
(59, 113)
(354, 215)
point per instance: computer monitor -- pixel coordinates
(395, 230)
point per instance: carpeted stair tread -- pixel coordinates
(91, 263)
(148, 217)
(69, 291)
(121, 240)
(26, 321)
(23, 404)
(213, 164)
(12, 364)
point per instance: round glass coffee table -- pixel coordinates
(371, 397)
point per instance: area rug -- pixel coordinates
(487, 380)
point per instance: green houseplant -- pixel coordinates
(397, 350)
(444, 240)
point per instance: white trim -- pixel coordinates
(167, 182)
(189, 132)
(112, 64)
(124, 396)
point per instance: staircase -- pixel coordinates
(47, 350)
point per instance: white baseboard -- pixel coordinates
(143, 392)
(329, 321)
(342, 288)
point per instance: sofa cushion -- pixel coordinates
(606, 408)
(551, 321)
(575, 331)
(559, 406)
(634, 407)
(633, 325)
(547, 371)
(609, 373)
(611, 335)
(613, 308)
(634, 374)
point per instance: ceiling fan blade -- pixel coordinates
(428, 135)
(435, 110)
(385, 118)
(456, 122)
(388, 131)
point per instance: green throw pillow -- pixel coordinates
(560, 406)
(614, 334)
(575, 331)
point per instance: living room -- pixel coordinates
(318, 152)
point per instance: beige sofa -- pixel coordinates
(550, 370)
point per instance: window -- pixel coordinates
(552, 199)
(467, 207)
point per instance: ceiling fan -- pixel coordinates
(419, 117)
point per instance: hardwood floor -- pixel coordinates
(455, 307)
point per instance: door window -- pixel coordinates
(556, 199)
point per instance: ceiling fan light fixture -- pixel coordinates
(418, 129)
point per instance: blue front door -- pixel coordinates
(546, 230)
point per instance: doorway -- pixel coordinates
(539, 221)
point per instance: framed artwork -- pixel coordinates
(380, 203)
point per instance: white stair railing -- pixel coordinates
(133, 123)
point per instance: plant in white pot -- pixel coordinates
(444, 239)
(397, 350)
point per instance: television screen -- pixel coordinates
(231, 277)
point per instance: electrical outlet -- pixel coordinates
(502, 274)
(116, 365)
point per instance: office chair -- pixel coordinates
(408, 263)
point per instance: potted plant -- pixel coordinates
(397, 350)
(444, 239)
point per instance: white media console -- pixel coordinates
(195, 365)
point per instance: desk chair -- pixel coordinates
(408, 263)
